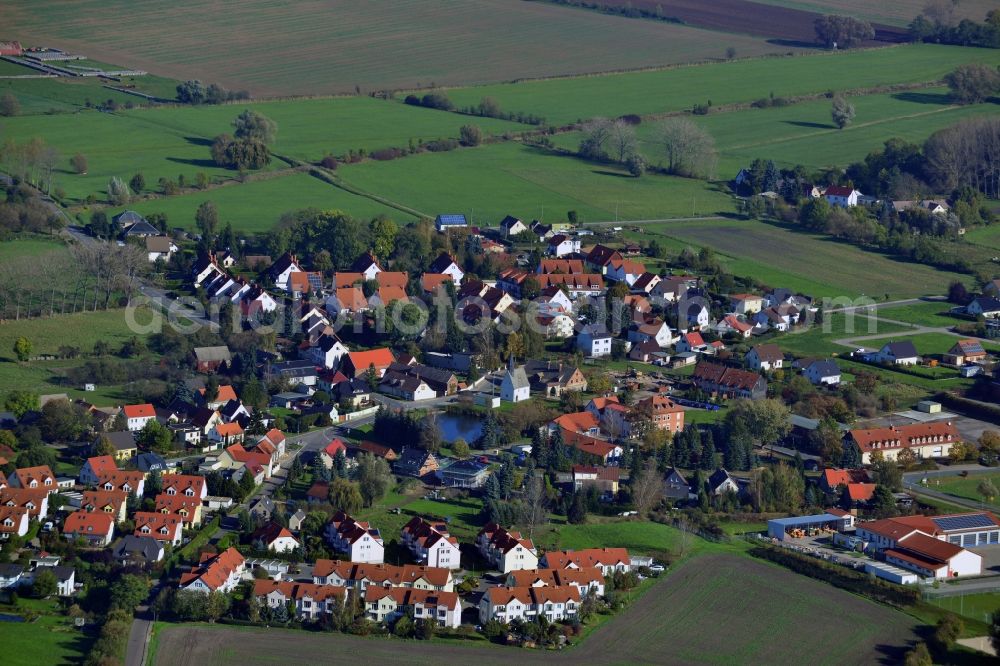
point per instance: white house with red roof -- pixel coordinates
(329, 452)
(507, 551)
(185, 485)
(96, 528)
(506, 604)
(358, 540)
(215, 573)
(610, 560)
(839, 195)
(165, 527)
(927, 440)
(732, 324)
(137, 416)
(35, 478)
(388, 604)
(13, 521)
(691, 342)
(275, 537)
(431, 544)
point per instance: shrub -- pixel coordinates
(412, 100)
(441, 145)
(386, 154)
(328, 162)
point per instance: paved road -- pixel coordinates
(138, 640)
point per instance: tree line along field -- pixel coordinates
(567, 100)
(812, 263)
(256, 206)
(897, 12)
(493, 181)
(331, 46)
(717, 608)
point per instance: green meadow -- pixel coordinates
(492, 181)
(804, 134)
(256, 206)
(567, 100)
(311, 128)
(811, 263)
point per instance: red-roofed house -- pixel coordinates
(167, 527)
(358, 540)
(507, 551)
(357, 363)
(13, 521)
(926, 440)
(96, 528)
(388, 604)
(215, 573)
(123, 481)
(188, 508)
(311, 601)
(40, 477)
(330, 451)
(275, 537)
(609, 560)
(506, 604)
(137, 416)
(845, 197)
(34, 500)
(95, 468)
(226, 433)
(185, 485)
(431, 544)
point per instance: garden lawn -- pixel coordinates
(256, 206)
(490, 182)
(51, 639)
(310, 128)
(567, 100)
(814, 264)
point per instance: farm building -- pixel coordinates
(783, 529)
(11, 49)
(891, 573)
(450, 221)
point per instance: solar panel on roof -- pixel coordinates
(316, 282)
(952, 523)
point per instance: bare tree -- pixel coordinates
(596, 138)
(688, 149)
(647, 488)
(534, 504)
(622, 140)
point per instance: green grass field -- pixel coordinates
(819, 339)
(988, 237)
(325, 47)
(966, 487)
(29, 246)
(51, 639)
(47, 335)
(569, 99)
(811, 263)
(116, 145)
(640, 536)
(975, 606)
(928, 343)
(925, 314)
(257, 205)
(898, 12)
(310, 128)
(67, 95)
(804, 134)
(490, 182)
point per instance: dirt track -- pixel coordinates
(713, 609)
